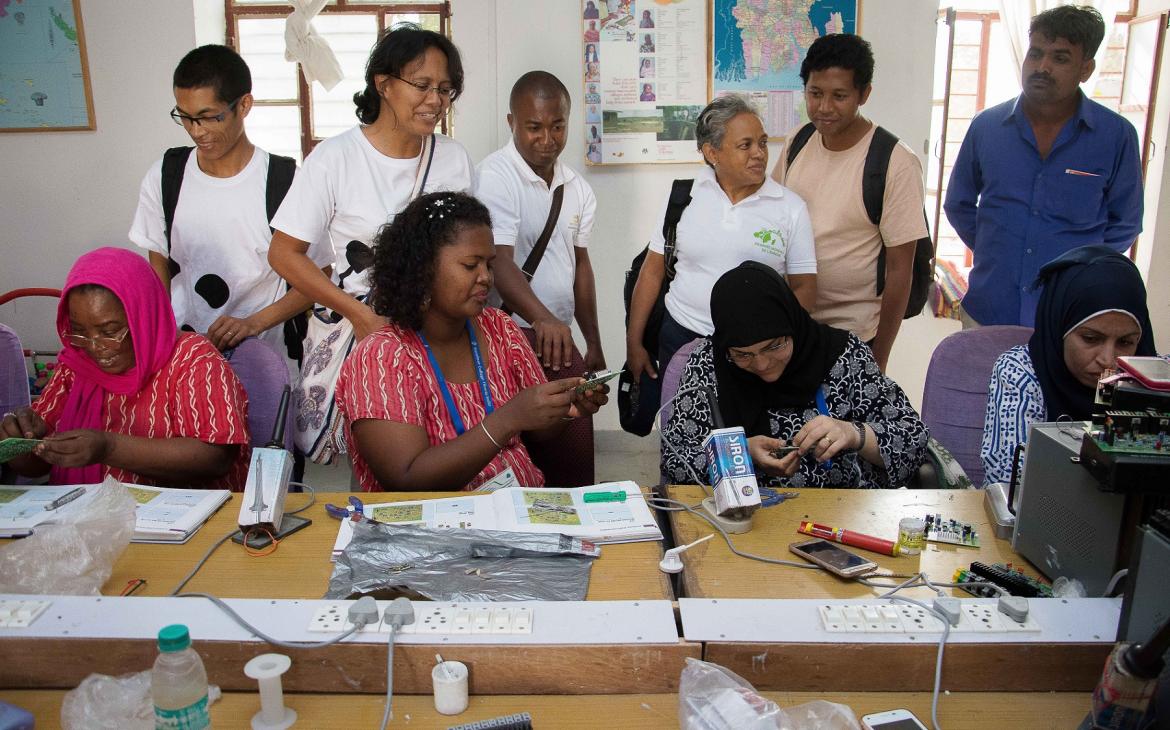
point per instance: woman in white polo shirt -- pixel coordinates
(736, 214)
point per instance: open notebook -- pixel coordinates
(162, 515)
(517, 509)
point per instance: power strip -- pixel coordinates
(900, 618)
(447, 618)
(16, 614)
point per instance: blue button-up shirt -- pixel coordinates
(1016, 211)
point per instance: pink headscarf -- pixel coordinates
(152, 332)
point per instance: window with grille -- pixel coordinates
(291, 116)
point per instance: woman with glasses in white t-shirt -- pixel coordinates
(348, 188)
(353, 184)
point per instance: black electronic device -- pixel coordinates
(833, 558)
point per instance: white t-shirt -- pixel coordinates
(219, 239)
(347, 190)
(520, 201)
(770, 226)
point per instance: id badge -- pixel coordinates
(506, 478)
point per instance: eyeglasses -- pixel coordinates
(744, 359)
(444, 92)
(183, 120)
(100, 342)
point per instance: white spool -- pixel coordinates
(266, 669)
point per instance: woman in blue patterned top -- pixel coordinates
(1092, 309)
(789, 380)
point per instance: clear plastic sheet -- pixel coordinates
(102, 702)
(75, 555)
(461, 564)
(711, 697)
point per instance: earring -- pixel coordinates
(426, 303)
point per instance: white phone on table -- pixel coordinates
(892, 720)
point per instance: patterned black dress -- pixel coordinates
(855, 390)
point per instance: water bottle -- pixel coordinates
(178, 683)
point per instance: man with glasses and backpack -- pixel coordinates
(203, 212)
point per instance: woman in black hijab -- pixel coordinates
(791, 381)
(1092, 309)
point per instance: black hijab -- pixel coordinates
(750, 304)
(1078, 285)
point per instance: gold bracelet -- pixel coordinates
(490, 437)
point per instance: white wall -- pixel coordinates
(66, 193)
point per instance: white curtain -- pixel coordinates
(304, 45)
(1016, 16)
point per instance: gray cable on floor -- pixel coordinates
(261, 635)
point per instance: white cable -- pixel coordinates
(658, 502)
(666, 442)
(1114, 581)
(261, 635)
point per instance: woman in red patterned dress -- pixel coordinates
(132, 397)
(439, 398)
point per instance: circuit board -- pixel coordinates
(951, 532)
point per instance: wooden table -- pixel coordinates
(713, 571)
(957, 711)
(300, 567)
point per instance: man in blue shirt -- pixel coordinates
(1043, 173)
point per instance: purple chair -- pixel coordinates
(13, 375)
(263, 373)
(954, 399)
(13, 385)
(670, 380)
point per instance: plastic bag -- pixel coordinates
(461, 564)
(711, 697)
(102, 702)
(75, 554)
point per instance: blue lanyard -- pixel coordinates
(480, 374)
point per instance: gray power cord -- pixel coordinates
(399, 613)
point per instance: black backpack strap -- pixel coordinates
(873, 188)
(873, 175)
(796, 144)
(280, 176)
(173, 165)
(680, 198)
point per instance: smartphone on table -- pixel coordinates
(833, 558)
(892, 720)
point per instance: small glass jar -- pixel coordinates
(911, 535)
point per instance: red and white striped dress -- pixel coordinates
(195, 395)
(388, 377)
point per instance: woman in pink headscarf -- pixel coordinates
(132, 397)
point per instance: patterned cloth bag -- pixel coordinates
(319, 432)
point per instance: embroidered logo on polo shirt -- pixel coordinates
(771, 240)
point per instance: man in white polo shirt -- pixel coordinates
(519, 184)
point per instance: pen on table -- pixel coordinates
(65, 499)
